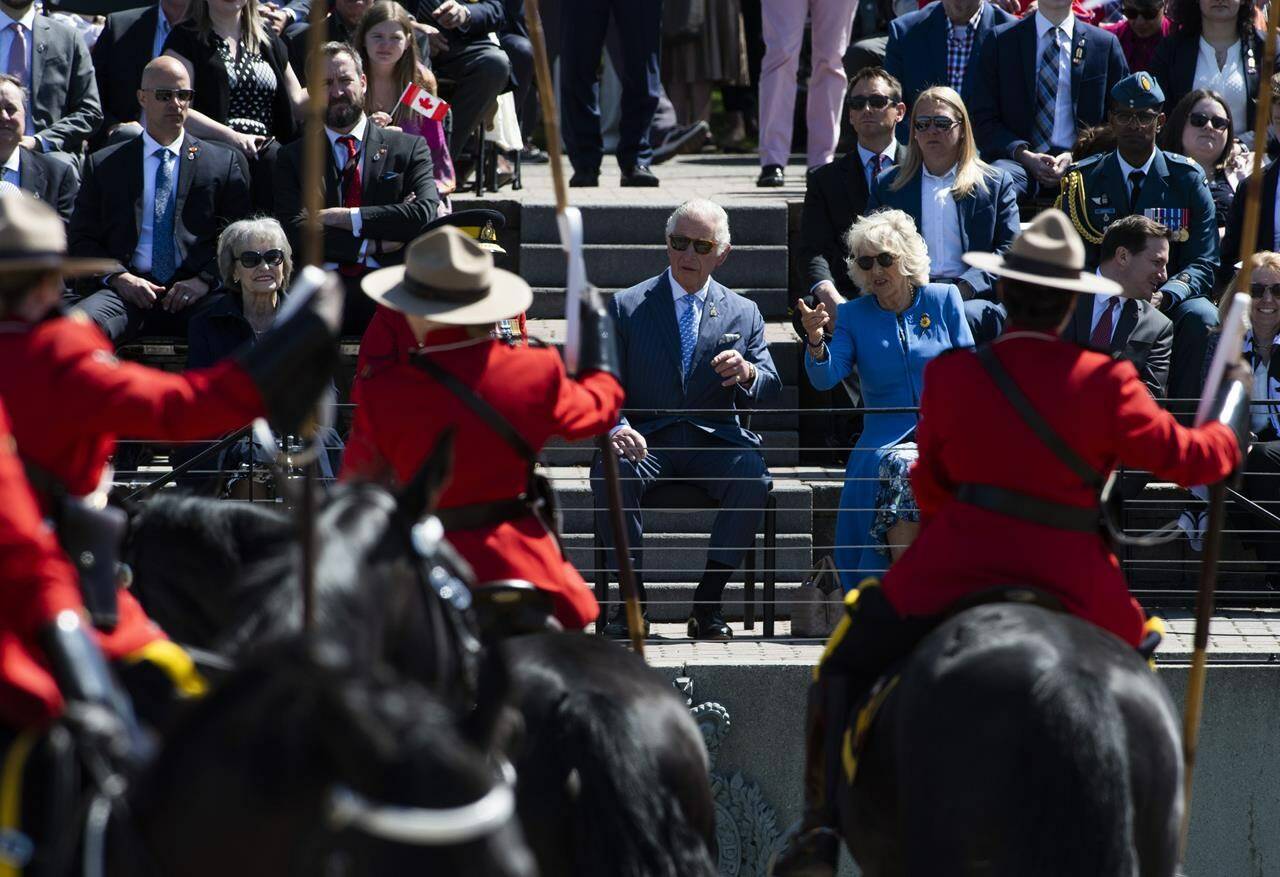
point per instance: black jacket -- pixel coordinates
(393, 166)
(1143, 335)
(1234, 236)
(122, 50)
(53, 182)
(1174, 67)
(487, 16)
(213, 191)
(217, 331)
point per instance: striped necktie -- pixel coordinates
(1046, 92)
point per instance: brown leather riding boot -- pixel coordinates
(813, 850)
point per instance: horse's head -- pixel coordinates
(305, 762)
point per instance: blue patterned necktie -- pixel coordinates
(162, 253)
(1046, 92)
(688, 333)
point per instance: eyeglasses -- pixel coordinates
(252, 258)
(680, 243)
(939, 123)
(884, 260)
(1143, 119)
(1258, 290)
(1131, 13)
(1199, 120)
(181, 95)
(875, 101)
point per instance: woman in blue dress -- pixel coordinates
(899, 323)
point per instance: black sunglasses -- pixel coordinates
(1199, 120)
(1131, 13)
(182, 95)
(1257, 290)
(1142, 119)
(252, 258)
(883, 259)
(939, 123)
(875, 101)
(680, 243)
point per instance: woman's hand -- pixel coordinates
(814, 321)
(249, 144)
(380, 119)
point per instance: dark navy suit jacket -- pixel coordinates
(1004, 104)
(649, 348)
(988, 220)
(917, 53)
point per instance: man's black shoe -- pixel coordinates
(640, 175)
(617, 628)
(709, 624)
(584, 180)
(771, 177)
(685, 138)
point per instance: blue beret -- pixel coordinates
(1138, 91)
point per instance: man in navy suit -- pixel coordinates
(940, 45)
(688, 344)
(1040, 80)
(53, 182)
(128, 42)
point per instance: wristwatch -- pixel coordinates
(818, 346)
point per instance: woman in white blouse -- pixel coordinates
(1213, 45)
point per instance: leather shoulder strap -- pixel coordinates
(1032, 419)
(479, 407)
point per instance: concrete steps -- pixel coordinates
(622, 265)
(646, 224)
(548, 302)
(681, 557)
(672, 601)
(780, 449)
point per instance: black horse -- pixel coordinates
(1019, 741)
(305, 763)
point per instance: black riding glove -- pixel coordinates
(598, 350)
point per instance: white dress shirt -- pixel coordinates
(1064, 122)
(1100, 305)
(940, 224)
(141, 262)
(679, 296)
(163, 26)
(886, 161)
(1126, 169)
(6, 39)
(1228, 82)
(340, 159)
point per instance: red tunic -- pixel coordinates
(401, 412)
(969, 433)
(69, 398)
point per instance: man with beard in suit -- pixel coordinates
(53, 182)
(378, 189)
(156, 204)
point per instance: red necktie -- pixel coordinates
(1101, 337)
(352, 193)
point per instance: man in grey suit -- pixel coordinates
(51, 60)
(1135, 254)
(688, 344)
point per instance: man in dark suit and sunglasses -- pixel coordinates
(1143, 27)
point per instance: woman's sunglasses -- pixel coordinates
(252, 258)
(939, 123)
(884, 260)
(1258, 290)
(680, 243)
(1199, 120)
(1131, 12)
(875, 101)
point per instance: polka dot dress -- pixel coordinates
(253, 87)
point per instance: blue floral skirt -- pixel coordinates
(894, 500)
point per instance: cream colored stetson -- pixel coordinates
(32, 237)
(1048, 253)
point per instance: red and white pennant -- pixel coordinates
(423, 102)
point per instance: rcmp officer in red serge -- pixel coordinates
(69, 397)
(449, 295)
(999, 507)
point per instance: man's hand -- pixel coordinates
(436, 41)
(276, 17)
(137, 291)
(1010, 6)
(814, 321)
(730, 365)
(31, 144)
(184, 294)
(336, 217)
(385, 247)
(630, 444)
(1157, 299)
(1046, 169)
(451, 14)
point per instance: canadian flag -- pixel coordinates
(422, 101)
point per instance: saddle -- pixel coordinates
(512, 607)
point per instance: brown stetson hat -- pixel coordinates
(32, 238)
(1048, 253)
(449, 278)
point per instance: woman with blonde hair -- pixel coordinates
(888, 334)
(958, 201)
(385, 41)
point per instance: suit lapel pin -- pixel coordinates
(377, 156)
(39, 47)
(712, 310)
(1079, 56)
(925, 322)
(191, 152)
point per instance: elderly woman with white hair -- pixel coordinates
(899, 323)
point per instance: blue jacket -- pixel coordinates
(988, 220)
(917, 53)
(649, 349)
(1004, 104)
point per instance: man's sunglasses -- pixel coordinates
(182, 95)
(884, 260)
(1199, 120)
(875, 101)
(252, 258)
(1257, 290)
(680, 243)
(1129, 117)
(938, 123)
(1131, 12)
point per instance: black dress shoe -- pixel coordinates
(617, 627)
(640, 175)
(709, 625)
(584, 180)
(771, 177)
